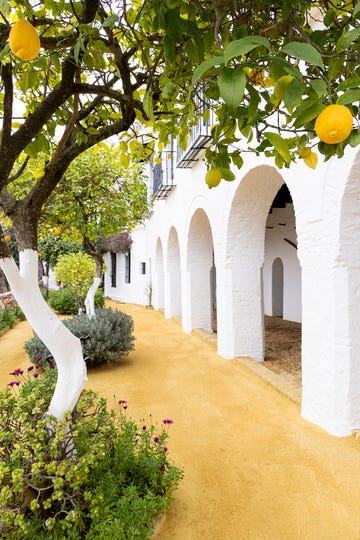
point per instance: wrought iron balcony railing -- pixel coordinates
(199, 139)
(163, 174)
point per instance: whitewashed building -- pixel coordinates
(280, 242)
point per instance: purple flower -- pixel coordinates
(156, 439)
(162, 468)
(36, 375)
(17, 372)
(13, 383)
(52, 366)
(168, 421)
(165, 448)
(30, 368)
(122, 401)
(144, 427)
(38, 358)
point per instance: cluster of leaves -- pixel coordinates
(51, 246)
(63, 301)
(75, 271)
(9, 315)
(270, 80)
(109, 337)
(95, 475)
(117, 243)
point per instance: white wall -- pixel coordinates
(321, 278)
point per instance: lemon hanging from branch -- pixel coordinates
(24, 40)
(334, 124)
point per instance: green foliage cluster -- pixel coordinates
(9, 315)
(110, 337)
(51, 246)
(95, 475)
(76, 272)
(63, 300)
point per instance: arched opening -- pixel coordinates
(201, 271)
(174, 274)
(282, 290)
(158, 292)
(277, 288)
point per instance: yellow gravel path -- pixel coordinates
(254, 469)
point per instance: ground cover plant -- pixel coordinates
(98, 475)
(9, 315)
(106, 338)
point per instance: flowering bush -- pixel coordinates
(118, 243)
(95, 475)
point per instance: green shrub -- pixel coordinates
(110, 337)
(112, 486)
(9, 315)
(63, 300)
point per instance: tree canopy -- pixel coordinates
(140, 67)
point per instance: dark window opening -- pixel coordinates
(142, 268)
(113, 269)
(127, 267)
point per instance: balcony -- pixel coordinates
(163, 174)
(199, 139)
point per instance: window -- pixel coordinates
(113, 269)
(142, 268)
(127, 267)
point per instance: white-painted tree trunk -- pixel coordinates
(63, 345)
(90, 298)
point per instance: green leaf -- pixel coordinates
(346, 39)
(319, 85)
(244, 45)
(349, 97)
(232, 85)
(294, 93)
(205, 66)
(110, 21)
(303, 51)
(356, 9)
(148, 105)
(352, 82)
(280, 145)
(227, 174)
(306, 115)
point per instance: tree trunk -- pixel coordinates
(63, 345)
(99, 264)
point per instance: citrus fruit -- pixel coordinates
(213, 177)
(24, 40)
(7, 238)
(334, 124)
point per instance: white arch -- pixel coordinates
(199, 261)
(158, 292)
(173, 271)
(243, 335)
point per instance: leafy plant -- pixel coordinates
(63, 300)
(9, 315)
(75, 271)
(98, 474)
(110, 337)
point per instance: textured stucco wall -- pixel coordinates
(231, 221)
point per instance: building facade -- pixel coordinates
(280, 242)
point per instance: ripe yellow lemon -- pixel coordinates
(24, 40)
(334, 124)
(7, 238)
(213, 177)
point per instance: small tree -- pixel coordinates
(97, 198)
(75, 271)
